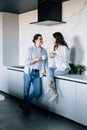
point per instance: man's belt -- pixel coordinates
(35, 70)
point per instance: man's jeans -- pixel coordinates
(35, 79)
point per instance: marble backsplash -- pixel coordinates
(74, 31)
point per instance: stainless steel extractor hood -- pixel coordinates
(49, 12)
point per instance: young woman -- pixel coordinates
(59, 63)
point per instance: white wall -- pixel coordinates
(10, 39)
(74, 31)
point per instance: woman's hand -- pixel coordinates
(52, 54)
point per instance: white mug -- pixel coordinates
(43, 57)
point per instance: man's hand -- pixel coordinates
(44, 72)
(39, 58)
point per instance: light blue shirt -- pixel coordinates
(32, 53)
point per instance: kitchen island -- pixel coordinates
(72, 93)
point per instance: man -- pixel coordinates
(35, 68)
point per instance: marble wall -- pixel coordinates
(74, 31)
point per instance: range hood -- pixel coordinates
(49, 12)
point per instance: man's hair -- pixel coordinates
(36, 37)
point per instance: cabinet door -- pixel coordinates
(81, 103)
(3, 79)
(15, 83)
(65, 104)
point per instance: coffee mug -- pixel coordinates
(43, 57)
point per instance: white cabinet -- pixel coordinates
(65, 104)
(70, 103)
(3, 79)
(81, 103)
(15, 83)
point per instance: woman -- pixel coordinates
(59, 62)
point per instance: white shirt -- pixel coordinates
(62, 58)
(38, 53)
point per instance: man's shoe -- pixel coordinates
(21, 106)
(25, 109)
(26, 112)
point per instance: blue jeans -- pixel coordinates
(53, 72)
(35, 79)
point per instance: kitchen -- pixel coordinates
(16, 34)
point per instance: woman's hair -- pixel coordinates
(59, 40)
(36, 37)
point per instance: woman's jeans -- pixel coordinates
(52, 72)
(35, 79)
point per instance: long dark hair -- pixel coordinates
(36, 37)
(59, 40)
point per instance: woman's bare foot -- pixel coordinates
(49, 84)
(54, 91)
(54, 95)
(49, 87)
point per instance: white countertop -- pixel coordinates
(71, 77)
(16, 68)
(74, 77)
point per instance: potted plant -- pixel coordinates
(80, 69)
(76, 69)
